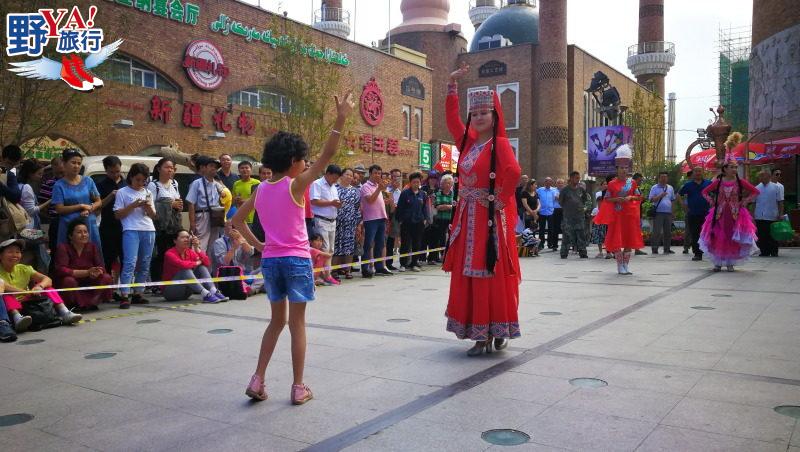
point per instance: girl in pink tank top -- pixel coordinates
(286, 260)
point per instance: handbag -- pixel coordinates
(781, 231)
(41, 311)
(235, 290)
(216, 213)
(168, 220)
(651, 212)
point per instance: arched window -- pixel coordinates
(262, 97)
(124, 69)
(417, 124)
(406, 122)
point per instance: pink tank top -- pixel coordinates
(282, 219)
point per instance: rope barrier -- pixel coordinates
(215, 279)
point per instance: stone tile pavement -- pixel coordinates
(678, 377)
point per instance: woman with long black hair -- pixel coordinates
(168, 203)
(729, 233)
(482, 255)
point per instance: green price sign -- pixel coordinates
(425, 156)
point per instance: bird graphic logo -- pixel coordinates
(72, 69)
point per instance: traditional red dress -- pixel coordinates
(482, 303)
(624, 224)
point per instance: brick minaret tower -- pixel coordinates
(552, 128)
(651, 59)
(425, 28)
(333, 19)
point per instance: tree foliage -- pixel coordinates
(645, 116)
(31, 108)
(309, 85)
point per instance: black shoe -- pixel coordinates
(654, 251)
(669, 252)
(366, 274)
(500, 343)
(383, 272)
(763, 255)
(685, 251)
(124, 303)
(139, 299)
(583, 255)
(391, 267)
(697, 257)
(116, 296)
(563, 256)
(775, 254)
(640, 253)
(7, 333)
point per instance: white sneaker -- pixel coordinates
(401, 269)
(416, 269)
(70, 318)
(22, 325)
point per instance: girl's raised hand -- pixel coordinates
(346, 105)
(460, 72)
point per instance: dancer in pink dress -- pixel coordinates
(729, 233)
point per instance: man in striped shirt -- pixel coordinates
(444, 205)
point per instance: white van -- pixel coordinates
(93, 167)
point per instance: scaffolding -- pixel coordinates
(734, 47)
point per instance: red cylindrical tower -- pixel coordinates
(651, 59)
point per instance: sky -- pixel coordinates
(604, 31)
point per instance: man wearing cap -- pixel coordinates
(359, 176)
(202, 197)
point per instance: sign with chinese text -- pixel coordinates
(225, 26)
(372, 103)
(204, 65)
(29, 34)
(603, 143)
(186, 13)
(492, 68)
(425, 156)
(412, 87)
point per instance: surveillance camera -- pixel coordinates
(286, 14)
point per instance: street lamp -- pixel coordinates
(606, 96)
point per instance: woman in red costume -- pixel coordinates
(620, 211)
(481, 255)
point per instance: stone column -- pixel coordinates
(552, 129)
(651, 30)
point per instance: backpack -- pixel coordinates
(235, 290)
(42, 312)
(13, 218)
(168, 220)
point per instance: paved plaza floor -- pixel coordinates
(693, 360)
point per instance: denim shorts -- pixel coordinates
(288, 278)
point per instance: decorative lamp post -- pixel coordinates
(718, 132)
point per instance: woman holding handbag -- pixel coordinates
(169, 205)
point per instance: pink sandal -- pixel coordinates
(255, 390)
(301, 394)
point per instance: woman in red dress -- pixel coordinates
(481, 255)
(621, 213)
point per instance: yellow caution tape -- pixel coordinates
(214, 279)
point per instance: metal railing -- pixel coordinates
(330, 14)
(499, 3)
(651, 47)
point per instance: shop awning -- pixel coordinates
(757, 153)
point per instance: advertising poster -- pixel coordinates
(603, 143)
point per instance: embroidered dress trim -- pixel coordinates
(504, 330)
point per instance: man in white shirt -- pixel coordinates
(202, 197)
(768, 209)
(661, 195)
(777, 175)
(325, 205)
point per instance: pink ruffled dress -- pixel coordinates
(729, 233)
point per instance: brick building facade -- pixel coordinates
(153, 51)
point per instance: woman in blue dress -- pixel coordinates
(76, 196)
(347, 221)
